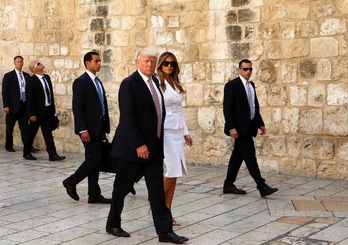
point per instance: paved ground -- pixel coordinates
(35, 209)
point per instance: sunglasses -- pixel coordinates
(37, 64)
(245, 69)
(171, 63)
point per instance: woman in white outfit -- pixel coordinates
(175, 129)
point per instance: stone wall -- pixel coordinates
(299, 50)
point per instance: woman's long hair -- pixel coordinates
(174, 76)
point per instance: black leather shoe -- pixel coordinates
(10, 149)
(232, 189)
(266, 190)
(34, 150)
(172, 237)
(117, 232)
(57, 158)
(99, 199)
(71, 190)
(29, 157)
(133, 191)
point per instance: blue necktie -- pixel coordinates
(157, 105)
(100, 95)
(250, 100)
(47, 91)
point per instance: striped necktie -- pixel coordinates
(157, 105)
(100, 95)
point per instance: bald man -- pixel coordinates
(41, 111)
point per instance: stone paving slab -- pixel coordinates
(35, 209)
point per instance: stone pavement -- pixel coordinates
(35, 209)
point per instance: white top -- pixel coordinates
(174, 113)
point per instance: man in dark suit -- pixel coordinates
(242, 120)
(138, 146)
(14, 102)
(41, 111)
(91, 117)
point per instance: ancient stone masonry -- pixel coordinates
(299, 50)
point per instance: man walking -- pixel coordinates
(41, 111)
(138, 146)
(242, 120)
(14, 102)
(91, 118)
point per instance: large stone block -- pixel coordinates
(324, 47)
(277, 95)
(336, 120)
(302, 167)
(333, 26)
(337, 94)
(311, 121)
(291, 120)
(298, 95)
(332, 170)
(317, 95)
(206, 117)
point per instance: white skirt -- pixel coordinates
(174, 156)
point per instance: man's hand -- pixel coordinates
(33, 118)
(6, 110)
(234, 133)
(85, 137)
(143, 152)
(263, 129)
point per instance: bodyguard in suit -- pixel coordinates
(138, 146)
(41, 111)
(92, 123)
(14, 102)
(242, 120)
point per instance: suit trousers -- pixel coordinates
(244, 149)
(11, 120)
(45, 123)
(90, 167)
(127, 173)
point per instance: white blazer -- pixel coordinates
(174, 113)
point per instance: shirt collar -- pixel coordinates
(91, 75)
(145, 78)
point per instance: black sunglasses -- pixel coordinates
(245, 69)
(37, 64)
(171, 63)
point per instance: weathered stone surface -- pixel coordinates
(298, 50)
(311, 121)
(317, 95)
(336, 120)
(324, 47)
(268, 72)
(290, 120)
(298, 95)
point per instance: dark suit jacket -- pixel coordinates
(138, 120)
(35, 94)
(87, 109)
(236, 109)
(11, 91)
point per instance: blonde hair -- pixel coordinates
(147, 52)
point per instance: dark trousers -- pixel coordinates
(46, 124)
(244, 149)
(11, 120)
(127, 173)
(90, 167)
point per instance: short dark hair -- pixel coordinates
(17, 56)
(89, 56)
(244, 61)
